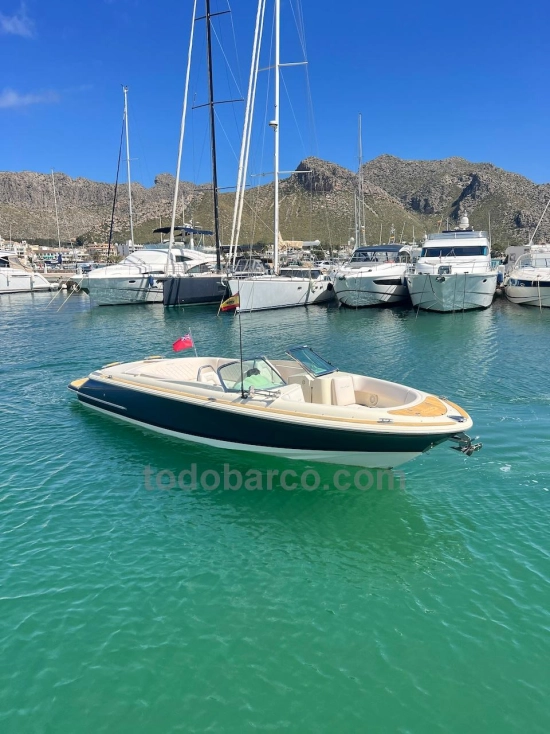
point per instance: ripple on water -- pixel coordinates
(415, 610)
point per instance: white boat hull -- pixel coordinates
(528, 295)
(262, 294)
(452, 292)
(115, 291)
(20, 281)
(357, 291)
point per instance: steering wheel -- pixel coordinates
(252, 371)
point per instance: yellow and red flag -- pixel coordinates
(230, 304)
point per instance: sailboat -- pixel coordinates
(137, 278)
(204, 284)
(286, 287)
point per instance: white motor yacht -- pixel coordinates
(528, 283)
(16, 277)
(375, 276)
(138, 278)
(454, 271)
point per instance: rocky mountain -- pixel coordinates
(316, 202)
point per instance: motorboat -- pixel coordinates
(454, 271)
(17, 277)
(528, 282)
(301, 407)
(375, 276)
(138, 278)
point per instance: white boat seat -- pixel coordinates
(343, 392)
(208, 375)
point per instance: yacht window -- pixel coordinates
(454, 251)
(201, 268)
(310, 361)
(181, 258)
(256, 373)
(375, 255)
(4, 263)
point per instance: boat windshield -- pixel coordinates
(256, 373)
(376, 254)
(455, 251)
(310, 361)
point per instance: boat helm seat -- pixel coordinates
(343, 392)
(208, 375)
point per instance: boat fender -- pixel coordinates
(151, 281)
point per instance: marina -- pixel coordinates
(275, 418)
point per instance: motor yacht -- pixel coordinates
(528, 283)
(301, 407)
(454, 271)
(375, 276)
(138, 278)
(16, 277)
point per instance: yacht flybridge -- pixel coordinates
(454, 271)
(16, 277)
(301, 407)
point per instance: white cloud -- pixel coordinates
(18, 24)
(9, 98)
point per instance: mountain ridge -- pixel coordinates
(317, 201)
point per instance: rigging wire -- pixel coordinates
(116, 187)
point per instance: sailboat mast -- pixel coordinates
(213, 135)
(360, 206)
(125, 90)
(56, 214)
(275, 125)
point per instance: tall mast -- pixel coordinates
(360, 204)
(213, 135)
(56, 214)
(125, 90)
(275, 125)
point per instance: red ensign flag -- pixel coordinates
(184, 342)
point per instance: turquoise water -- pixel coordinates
(130, 609)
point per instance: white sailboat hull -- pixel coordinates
(13, 280)
(261, 294)
(453, 291)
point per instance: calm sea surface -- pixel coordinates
(128, 609)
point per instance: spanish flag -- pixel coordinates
(230, 304)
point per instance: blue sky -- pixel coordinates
(430, 79)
